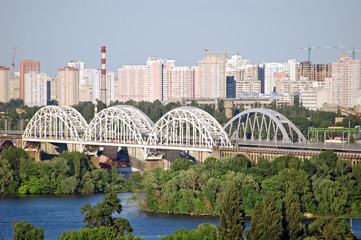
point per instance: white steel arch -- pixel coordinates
(261, 124)
(56, 123)
(120, 124)
(189, 127)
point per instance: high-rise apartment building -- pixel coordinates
(346, 82)
(154, 79)
(4, 84)
(291, 67)
(112, 86)
(180, 82)
(313, 72)
(132, 83)
(35, 89)
(145, 82)
(76, 64)
(15, 86)
(230, 87)
(25, 67)
(211, 82)
(68, 86)
(88, 78)
(269, 70)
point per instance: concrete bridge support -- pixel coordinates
(136, 158)
(200, 156)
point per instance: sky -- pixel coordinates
(55, 32)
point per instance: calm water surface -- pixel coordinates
(60, 213)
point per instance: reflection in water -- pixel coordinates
(59, 213)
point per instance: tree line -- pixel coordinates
(68, 173)
(324, 185)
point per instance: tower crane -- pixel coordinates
(353, 51)
(220, 53)
(13, 63)
(309, 48)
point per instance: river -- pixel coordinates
(57, 213)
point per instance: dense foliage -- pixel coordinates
(26, 230)
(70, 172)
(324, 185)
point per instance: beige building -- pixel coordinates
(211, 82)
(15, 86)
(4, 84)
(67, 83)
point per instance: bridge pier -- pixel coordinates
(200, 156)
(136, 158)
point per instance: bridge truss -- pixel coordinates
(120, 124)
(57, 124)
(189, 127)
(183, 128)
(263, 125)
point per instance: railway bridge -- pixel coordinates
(254, 133)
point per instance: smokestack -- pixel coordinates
(103, 88)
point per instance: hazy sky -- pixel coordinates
(55, 32)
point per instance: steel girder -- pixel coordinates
(189, 127)
(261, 124)
(119, 124)
(56, 123)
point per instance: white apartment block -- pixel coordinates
(269, 70)
(88, 79)
(76, 64)
(35, 89)
(112, 87)
(291, 67)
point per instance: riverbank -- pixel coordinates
(62, 212)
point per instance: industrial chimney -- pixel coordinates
(103, 88)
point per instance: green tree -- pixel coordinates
(101, 215)
(291, 220)
(231, 214)
(204, 231)
(26, 230)
(330, 228)
(266, 220)
(181, 164)
(330, 196)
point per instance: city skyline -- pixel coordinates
(261, 31)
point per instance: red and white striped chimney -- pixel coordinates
(103, 88)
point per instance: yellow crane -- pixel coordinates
(353, 51)
(220, 53)
(309, 48)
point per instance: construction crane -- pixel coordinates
(353, 51)
(220, 53)
(309, 48)
(206, 51)
(13, 63)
